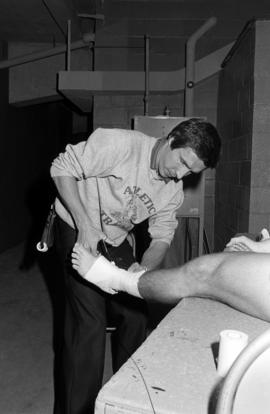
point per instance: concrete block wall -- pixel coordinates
(242, 180)
(119, 111)
(260, 172)
(205, 105)
(35, 81)
(235, 118)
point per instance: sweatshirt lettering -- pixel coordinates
(105, 218)
(137, 191)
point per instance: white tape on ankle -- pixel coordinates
(131, 283)
(111, 279)
(100, 274)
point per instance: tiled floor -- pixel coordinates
(26, 335)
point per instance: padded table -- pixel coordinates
(174, 370)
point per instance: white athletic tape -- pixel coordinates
(111, 279)
(100, 274)
(131, 283)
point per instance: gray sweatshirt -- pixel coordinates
(117, 185)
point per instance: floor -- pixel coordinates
(27, 333)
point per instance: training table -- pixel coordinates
(174, 370)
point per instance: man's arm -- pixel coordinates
(86, 159)
(162, 226)
(69, 194)
(154, 255)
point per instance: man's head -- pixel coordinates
(191, 147)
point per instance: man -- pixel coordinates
(108, 184)
(239, 278)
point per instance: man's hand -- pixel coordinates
(241, 244)
(245, 244)
(136, 267)
(264, 234)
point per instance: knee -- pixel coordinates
(200, 268)
(201, 271)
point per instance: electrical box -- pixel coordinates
(191, 214)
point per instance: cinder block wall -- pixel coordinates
(235, 113)
(259, 214)
(205, 105)
(242, 178)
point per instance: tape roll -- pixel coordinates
(42, 247)
(231, 344)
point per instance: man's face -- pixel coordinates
(178, 163)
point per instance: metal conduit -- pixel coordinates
(146, 93)
(190, 63)
(31, 57)
(68, 45)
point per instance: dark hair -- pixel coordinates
(199, 135)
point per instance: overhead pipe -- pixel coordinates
(68, 45)
(146, 92)
(92, 16)
(31, 57)
(190, 63)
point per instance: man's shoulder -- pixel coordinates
(119, 136)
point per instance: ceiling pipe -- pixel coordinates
(92, 16)
(190, 64)
(68, 45)
(87, 38)
(146, 80)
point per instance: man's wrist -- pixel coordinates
(145, 268)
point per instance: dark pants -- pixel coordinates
(88, 311)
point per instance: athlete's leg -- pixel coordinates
(242, 280)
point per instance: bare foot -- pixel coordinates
(96, 270)
(103, 273)
(82, 260)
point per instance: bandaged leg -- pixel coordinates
(103, 273)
